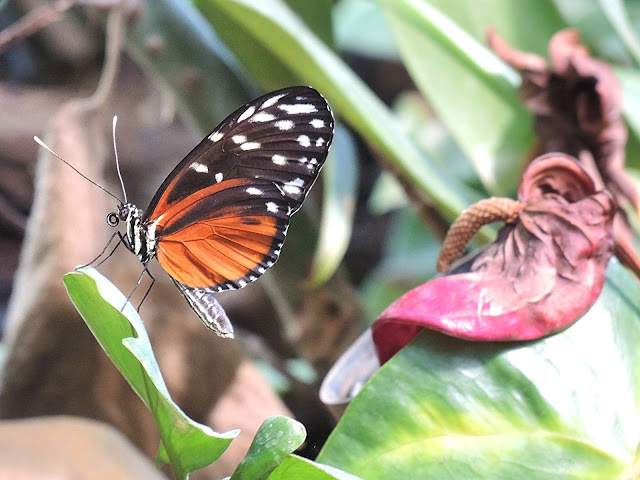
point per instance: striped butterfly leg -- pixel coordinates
(146, 294)
(101, 257)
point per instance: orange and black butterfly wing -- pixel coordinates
(221, 238)
(221, 216)
(225, 236)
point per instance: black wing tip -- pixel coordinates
(297, 89)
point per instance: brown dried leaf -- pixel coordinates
(577, 103)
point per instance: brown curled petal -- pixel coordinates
(577, 107)
(563, 48)
(556, 173)
(470, 221)
(518, 60)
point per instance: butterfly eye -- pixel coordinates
(112, 219)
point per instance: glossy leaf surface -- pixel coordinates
(340, 180)
(565, 407)
(186, 444)
(276, 438)
(473, 92)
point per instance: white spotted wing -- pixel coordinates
(220, 218)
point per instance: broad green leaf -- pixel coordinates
(317, 15)
(564, 407)
(261, 63)
(434, 138)
(269, 455)
(279, 31)
(179, 51)
(361, 29)
(276, 438)
(473, 92)
(630, 80)
(340, 179)
(186, 444)
(596, 31)
(616, 13)
(297, 468)
(526, 25)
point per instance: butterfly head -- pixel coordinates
(135, 238)
(127, 213)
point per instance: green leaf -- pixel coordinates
(178, 49)
(283, 35)
(360, 28)
(473, 92)
(340, 181)
(187, 445)
(433, 138)
(262, 64)
(596, 31)
(317, 15)
(527, 26)
(630, 81)
(276, 438)
(564, 407)
(616, 13)
(296, 468)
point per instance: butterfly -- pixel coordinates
(220, 218)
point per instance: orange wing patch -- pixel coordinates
(219, 250)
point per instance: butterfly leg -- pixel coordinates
(153, 280)
(106, 247)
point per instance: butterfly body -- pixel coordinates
(220, 218)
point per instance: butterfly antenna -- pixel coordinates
(115, 150)
(42, 144)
